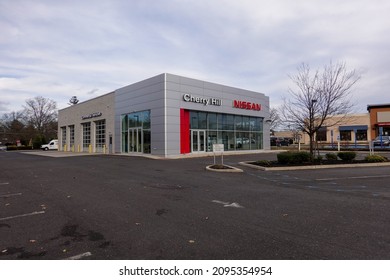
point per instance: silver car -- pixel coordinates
(385, 141)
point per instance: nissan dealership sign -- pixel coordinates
(246, 105)
(202, 100)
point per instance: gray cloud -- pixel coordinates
(3, 106)
(64, 48)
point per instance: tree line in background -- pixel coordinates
(32, 126)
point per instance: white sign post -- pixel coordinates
(371, 147)
(338, 143)
(218, 148)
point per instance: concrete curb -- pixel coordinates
(230, 170)
(311, 167)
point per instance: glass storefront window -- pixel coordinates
(147, 142)
(256, 141)
(345, 135)
(229, 122)
(228, 140)
(125, 123)
(236, 132)
(146, 119)
(125, 141)
(238, 123)
(135, 119)
(202, 120)
(136, 134)
(212, 138)
(242, 141)
(321, 135)
(361, 135)
(194, 120)
(212, 121)
(245, 123)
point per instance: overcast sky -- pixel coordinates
(58, 49)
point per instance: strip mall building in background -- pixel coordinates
(167, 115)
(379, 119)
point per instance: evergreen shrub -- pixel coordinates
(347, 156)
(293, 157)
(375, 158)
(331, 156)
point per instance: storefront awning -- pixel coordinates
(353, 127)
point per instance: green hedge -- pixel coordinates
(331, 156)
(347, 156)
(293, 157)
(375, 158)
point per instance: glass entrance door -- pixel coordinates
(135, 140)
(198, 140)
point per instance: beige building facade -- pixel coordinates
(355, 129)
(88, 126)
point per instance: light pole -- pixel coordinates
(311, 123)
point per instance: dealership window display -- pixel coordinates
(236, 132)
(136, 132)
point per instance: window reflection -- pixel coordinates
(236, 132)
(136, 129)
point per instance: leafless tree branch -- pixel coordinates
(318, 96)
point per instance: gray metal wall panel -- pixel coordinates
(144, 95)
(178, 86)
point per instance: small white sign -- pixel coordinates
(218, 147)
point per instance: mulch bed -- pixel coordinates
(220, 166)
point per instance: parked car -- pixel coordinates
(3, 148)
(53, 145)
(385, 141)
(279, 141)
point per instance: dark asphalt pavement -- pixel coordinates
(119, 207)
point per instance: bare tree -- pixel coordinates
(274, 118)
(12, 127)
(41, 113)
(318, 96)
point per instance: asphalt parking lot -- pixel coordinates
(119, 207)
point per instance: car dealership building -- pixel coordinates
(168, 116)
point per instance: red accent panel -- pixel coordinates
(185, 131)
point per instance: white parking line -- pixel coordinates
(228, 204)
(1, 184)
(22, 215)
(10, 194)
(357, 177)
(77, 257)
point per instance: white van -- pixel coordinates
(53, 145)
